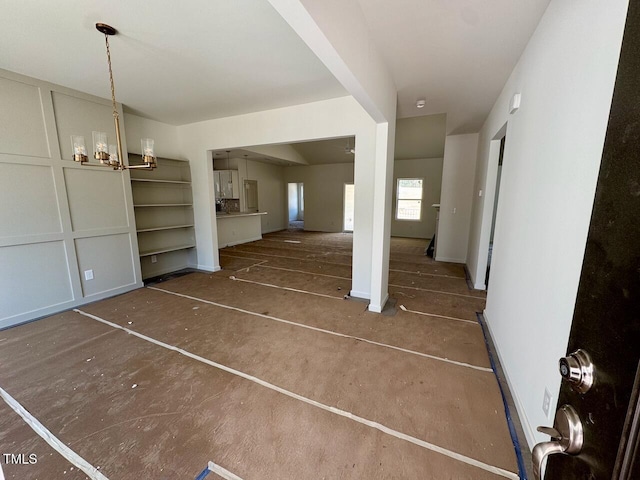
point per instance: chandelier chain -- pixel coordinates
(113, 89)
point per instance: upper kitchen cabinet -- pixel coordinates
(227, 183)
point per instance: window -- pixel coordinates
(409, 199)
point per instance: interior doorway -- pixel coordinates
(495, 208)
(349, 207)
(296, 205)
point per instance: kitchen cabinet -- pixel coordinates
(227, 183)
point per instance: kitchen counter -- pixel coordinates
(238, 214)
(238, 227)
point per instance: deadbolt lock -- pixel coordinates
(577, 369)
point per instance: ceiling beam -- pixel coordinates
(336, 32)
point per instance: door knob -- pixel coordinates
(567, 437)
(577, 369)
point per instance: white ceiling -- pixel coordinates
(177, 62)
(182, 62)
(318, 152)
(457, 54)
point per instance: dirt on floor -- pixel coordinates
(266, 369)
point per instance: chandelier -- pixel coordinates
(111, 155)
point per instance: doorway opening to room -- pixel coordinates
(349, 207)
(495, 209)
(296, 205)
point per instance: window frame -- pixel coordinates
(419, 219)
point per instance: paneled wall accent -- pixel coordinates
(57, 218)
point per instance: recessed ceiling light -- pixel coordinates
(421, 103)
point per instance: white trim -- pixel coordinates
(378, 308)
(65, 305)
(207, 268)
(450, 259)
(240, 242)
(337, 411)
(361, 295)
(522, 413)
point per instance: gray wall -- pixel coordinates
(57, 218)
(429, 169)
(323, 194)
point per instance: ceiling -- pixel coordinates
(326, 151)
(319, 152)
(182, 63)
(457, 54)
(173, 62)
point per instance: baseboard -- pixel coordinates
(240, 242)
(528, 429)
(378, 308)
(207, 268)
(450, 260)
(476, 285)
(39, 313)
(271, 230)
(363, 295)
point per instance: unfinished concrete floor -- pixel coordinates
(265, 369)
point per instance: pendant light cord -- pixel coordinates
(113, 88)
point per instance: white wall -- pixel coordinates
(430, 169)
(59, 218)
(319, 120)
(166, 143)
(456, 199)
(323, 194)
(551, 161)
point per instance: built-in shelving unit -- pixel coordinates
(163, 205)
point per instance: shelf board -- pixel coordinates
(163, 205)
(153, 180)
(158, 251)
(171, 227)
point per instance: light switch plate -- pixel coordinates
(88, 274)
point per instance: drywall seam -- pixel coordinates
(343, 413)
(91, 471)
(322, 330)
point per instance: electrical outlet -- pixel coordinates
(546, 402)
(88, 274)
(154, 258)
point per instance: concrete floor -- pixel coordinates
(267, 370)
